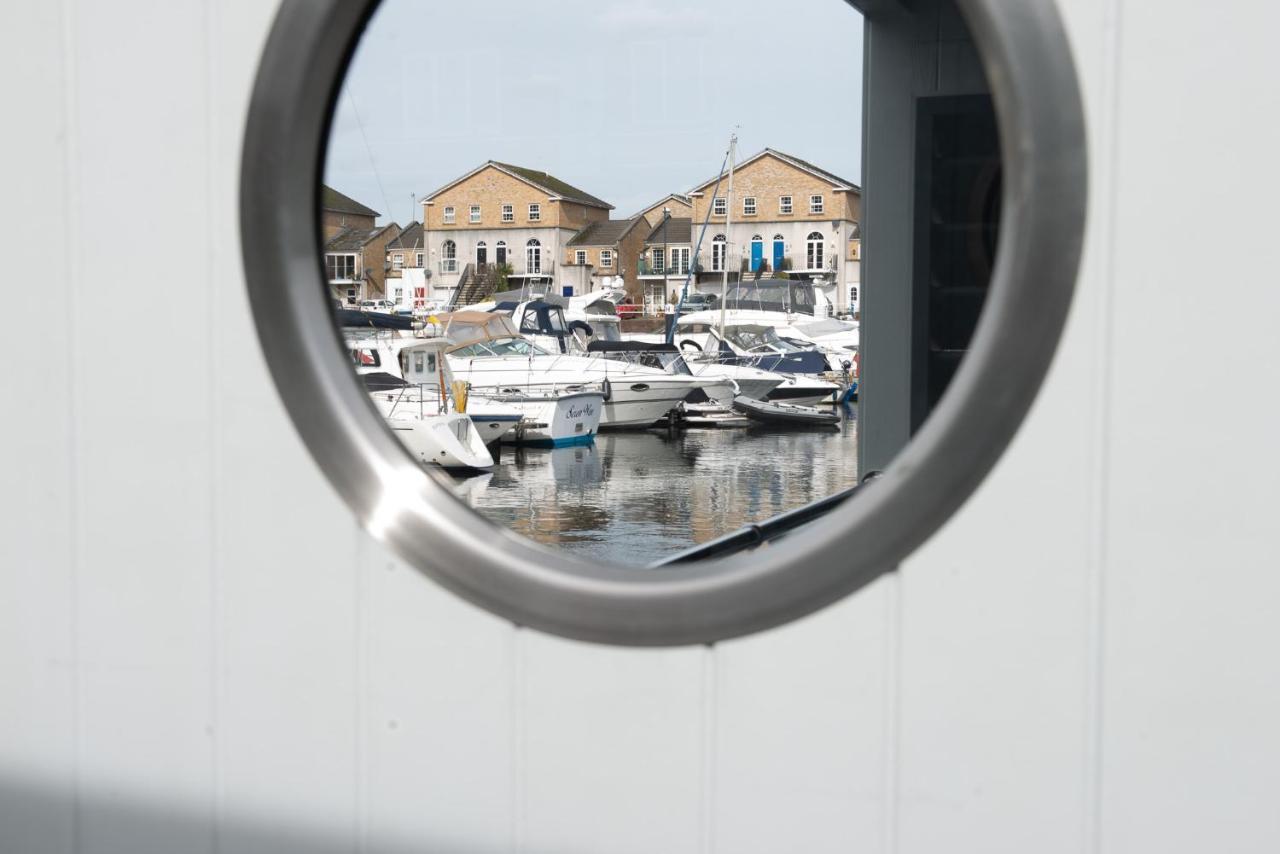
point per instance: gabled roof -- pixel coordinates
(410, 238)
(354, 239)
(549, 184)
(803, 165)
(679, 230)
(605, 233)
(332, 200)
(679, 197)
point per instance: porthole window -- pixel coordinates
(727, 376)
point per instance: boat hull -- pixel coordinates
(449, 441)
(556, 420)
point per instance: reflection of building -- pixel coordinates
(355, 258)
(501, 216)
(787, 215)
(603, 250)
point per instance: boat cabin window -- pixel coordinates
(365, 357)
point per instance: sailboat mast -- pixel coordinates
(728, 230)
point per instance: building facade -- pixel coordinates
(339, 212)
(405, 265)
(665, 261)
(607, 250)
(502, 217)
(676, 204)
(787, 215)
(355, 263)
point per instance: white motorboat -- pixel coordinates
(546, 417)
(447, 439)
(495, 359)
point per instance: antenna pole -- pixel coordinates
(728, 231)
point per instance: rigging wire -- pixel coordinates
(346, 90)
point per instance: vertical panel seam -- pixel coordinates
(213, 223)
(1103, 171)
(712, 672)
(892, 724)
(517, 734)
(71, 201)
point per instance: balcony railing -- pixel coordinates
(539, 267)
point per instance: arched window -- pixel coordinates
(482, 254)
(719, 245)
(815, 246)
(757, 253)
(449, 257)
(533, 256)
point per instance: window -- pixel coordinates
(720, 207)
(341, 268)
(784, 204)
(533, 256)
(606, 257)
(508, 213)
(749, 206)
(397, 261)
(580, 257)
(659, 260)
(815, 246)
(815, 204)
(449, 257)
(500, 252)
(719, 249)
(475, 213)
(417, 260)
(680, 260)
(535, 213)
(448, 215)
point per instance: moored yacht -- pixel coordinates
(491, 354)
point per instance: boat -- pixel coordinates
(446, 439)
(540, 417)
(785, 414)
(495, 359)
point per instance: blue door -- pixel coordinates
(779, 247)
(757, 254)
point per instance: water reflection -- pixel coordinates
(637, 497)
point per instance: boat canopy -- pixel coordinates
(469, 327)
(786, 295)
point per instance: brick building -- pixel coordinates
(501, 214)
(788, 214)
(606, 250)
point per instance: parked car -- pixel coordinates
(699, 302)
(383, 305)
(628, 309)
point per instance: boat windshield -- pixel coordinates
(501, 347)
(757, 339)
(604, 330)
(773, 295)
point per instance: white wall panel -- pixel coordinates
(37, 557)
(200, 651)
(142, 510)
(610, 748)
(1192, 690)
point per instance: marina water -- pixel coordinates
(636, 497)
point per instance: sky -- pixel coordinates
(626, 99)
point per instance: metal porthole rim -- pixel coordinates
(1032, 76)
